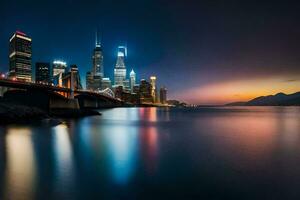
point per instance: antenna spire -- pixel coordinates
(98, 43)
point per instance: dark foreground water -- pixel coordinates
(149, 153)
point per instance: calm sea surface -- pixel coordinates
(151, 153)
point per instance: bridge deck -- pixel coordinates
(30, 85)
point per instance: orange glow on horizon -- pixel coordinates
(233, 91)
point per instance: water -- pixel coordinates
(147, 153)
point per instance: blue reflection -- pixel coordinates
(122, 147)
(63, 158)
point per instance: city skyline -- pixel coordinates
(232, 52)
(54, 72)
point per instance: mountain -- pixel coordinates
(279, 99)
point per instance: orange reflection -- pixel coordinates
(149, 145)
(250, 137)
(148, 114)
(20, 173)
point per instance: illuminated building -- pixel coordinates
(153, 87)
(58, 67)
(98, 58)
(106, 83)
(132, 80)
(126, 84)
(93, 82)
(120, 68)
(42, 72)
(145, 92)
(20, 57)
(94, 77)
(163, 95)
(74, 68)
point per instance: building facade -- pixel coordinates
(145, 92)
(97, 59)
(93, 82)
(120, 68)
(89, 80)
(163, 95)
(106, 83)
(132, 80)
(42, 72)
(94, 77)
(58, 68)
(153, 88)
(20, 54)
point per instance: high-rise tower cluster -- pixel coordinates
(59, 74)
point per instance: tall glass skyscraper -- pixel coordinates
(153, 88)
(20, 57)
(120, 68)
(94, 77)
(98, 58)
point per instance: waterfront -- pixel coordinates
(135, 153)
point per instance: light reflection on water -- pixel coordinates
(63, 158)
(137, 152)
(21, 166)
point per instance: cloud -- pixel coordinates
(291, 80)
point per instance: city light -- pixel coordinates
(59, 62)
(124, 88)
(120, 54)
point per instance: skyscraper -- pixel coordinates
(153, 87)
(59, 67)
(20, 57)
(89, 80)
(163, 95)
(42, 72)
(132, 80)
(120, 68)
(94, 77)
(98, 58)
(145, 92)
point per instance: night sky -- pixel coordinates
(207, 52)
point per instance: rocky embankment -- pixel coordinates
(12, 113)
(15, 113)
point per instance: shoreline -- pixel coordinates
(11, 113)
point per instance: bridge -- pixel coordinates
(48, 96)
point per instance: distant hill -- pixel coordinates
(279, 99)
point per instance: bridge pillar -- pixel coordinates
(72, 85)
